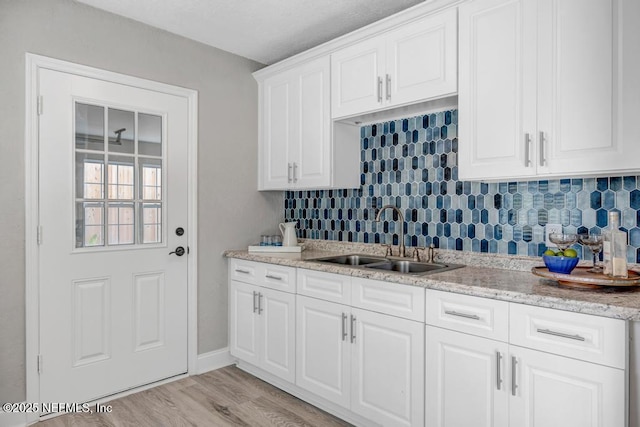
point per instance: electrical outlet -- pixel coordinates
(549, 229)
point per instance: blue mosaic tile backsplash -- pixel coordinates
(412, 164)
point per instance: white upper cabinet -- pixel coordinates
(413, 63)
(544, 88)
(297, 148)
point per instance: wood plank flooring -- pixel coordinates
(225, 397)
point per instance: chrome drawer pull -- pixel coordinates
(242, 271)
(260, 309)
(560, 334)
(255, 307)
(498, 370)
(465, 315)
(514, 385)
(353, 329)
(344, 327)
(268, 276)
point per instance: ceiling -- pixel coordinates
(263, 30)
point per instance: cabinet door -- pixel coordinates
(277, 132)
(322, 349)
(497, 89)
(558, 391)
(580, 88)
(422, 59)
(277, 317)
(466, 380)
(387, 369)
(312, 143)
(357, 74)
(244, 341)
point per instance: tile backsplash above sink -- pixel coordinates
(412, 163)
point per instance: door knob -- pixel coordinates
(179, 251)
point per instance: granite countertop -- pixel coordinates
(489, 276)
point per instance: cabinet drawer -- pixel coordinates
(244, 271)
(278, 277)
(326, 286)
(388, 298)
(581, 336)
(473, 315)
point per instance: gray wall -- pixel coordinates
(231, 212)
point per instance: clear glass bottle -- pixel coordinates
(614, 248)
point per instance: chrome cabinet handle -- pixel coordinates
(254, 301)
(527, 149)
(242, 271)
(379, 89)
(269, 276)
(260, 309)
(465, 315)
(514, 385)
(498, 370)
(560, 334)
(344, 326)
(543, 160)
(289, 167)
(388, 87)
(353, 329)
(295, 173)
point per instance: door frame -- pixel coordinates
(32, 106)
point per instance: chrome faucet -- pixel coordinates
(401, 248)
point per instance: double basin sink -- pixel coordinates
(392, 265)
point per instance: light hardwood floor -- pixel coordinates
(225, 397)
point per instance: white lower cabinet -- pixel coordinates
(322, 348)
(550, 390)
(487, 381)
(360, 348)
(466, 380)
(262, 328)
(367, 362)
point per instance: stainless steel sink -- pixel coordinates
(402, 266)
(351, 259)
(408, 267)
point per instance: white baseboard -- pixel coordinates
(9, 419)
(214, 360)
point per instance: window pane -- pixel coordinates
(121, 181)
(151, 223)
(120, 224)
(89, 224)
(121, 131)
(151, 174)
(89, 176)
(89, 127)
(149, 135)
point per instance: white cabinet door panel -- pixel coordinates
(387, 369)
(422, 59)
(277, 130)
(244, 329)
(277, 315)
(466, 380)
(313, 126)
(557, 391)
(356, 78)
(323, 349)
(497, 89)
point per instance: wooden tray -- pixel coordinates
(580, 277)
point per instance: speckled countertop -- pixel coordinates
(506, 278)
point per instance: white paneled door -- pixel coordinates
(113, 264)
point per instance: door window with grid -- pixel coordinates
(119, 197)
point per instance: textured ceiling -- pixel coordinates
(263, 30)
